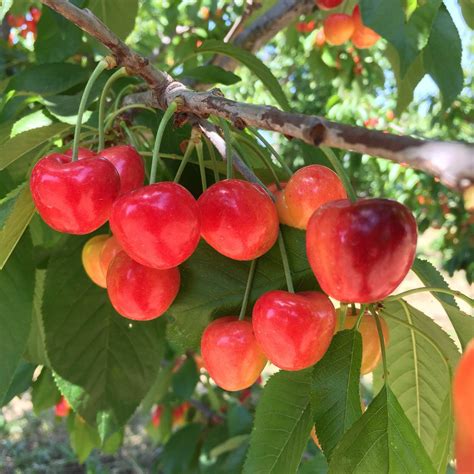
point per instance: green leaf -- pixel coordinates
(444, 64)
(463, 324)
(419, 378)
(335, 395)
(185, 379)
(239, 420)
(84, 438)
(211, 74)
(118, 15)
(229, 445)
(282, 424)
(382, 440)
(23, 143)
(15, 224)
(21, 381)
(213, 285)
(252, 62)
(4, 7)
(105, 364)
(44, 393)
(47, 79)
(16, 304)
(467, 7)
(317, 465)
(37, 119)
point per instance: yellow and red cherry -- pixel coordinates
(109, 250)
(374, 238)
(238, 219)
(129, 165)
(138, 292)
(294, 330)
(157, 225)
(308, 189)
(280, 203)
(91, 259)
(371, 349)
(338, 28)
(328, 4)
(74, 197)
(363, 37)
(231, 354)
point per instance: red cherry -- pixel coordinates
(360, 252)
(320, 38)
(74, 197)
(82, 153)
(338, 28)
(157, 225)
(35, 14)
(16, 21)
(231, 354)
(363, 37)
(31, 26)
(129, 165)
(328, 4)
(110, 248)
(294, 330)
(138, 292)
(308, 189)
(179, 413)
(62, 408)
(280, 203)
(238, 219)
(156, 416)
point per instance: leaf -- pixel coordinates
(15, 224)
(4, 7)
(467, 7)
(282, 424)
(444, 64)
(47, 79)
(211, 74)
(21, 381)
(185, 379)
(118, 15)
(335, 395)
(239, 420)
(382, 440)
(84, 438)
(213, 285)
(25, 142)
(229, 445)
(45, 393)
(105, 364)
(463, 324)
(252, 62)
(317, 465)
(419, 378)
(16, 303)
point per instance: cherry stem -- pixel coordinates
(228, 148)
(341, 172)
(123, 109)
(159, 136)
(342, 315)
(131, 137)
(286, 264)
(103, 99)
(202, 168)
(101, 66)
(382, 343)
(212, 154)
(248, 288)
(125, 90)
(184, 161)
(272, 151)
(359, 316)
(458, 294)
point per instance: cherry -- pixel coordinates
(157, 225)
(179, 413)
(338, 28)
(308, 189)
(156, 416)
(238, 219)
(35, 14)
(91, 259)
(129, 165)
(138, 292)
(463, 395)
(320, 38)
(371, 349)
(280, 203)
(109, 250)
(294, 330)
(231, 354)
(363, 37)
(74, 197)
(361, 251)
(82, 153)
(328, 4)
(62, 408)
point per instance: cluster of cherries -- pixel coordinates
(359, 251)
(23, 24)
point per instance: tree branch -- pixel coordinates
(452, 163)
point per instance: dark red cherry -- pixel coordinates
(138, 292)
(360, 252)
(238, 219)
(74, 197)
(157, 225)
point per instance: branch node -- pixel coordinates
(317, 133)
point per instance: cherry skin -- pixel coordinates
(231, 354)
(74, 197)
(294, 330)
(280, 203)
(129, 165)
(91, 259)
(157, 225)
(338, 28)
(371, 349)
(238, 219)
(328, 4)
(82, 153)
(109, 250)
(308, 189)
(138, 292)
(374, 238)
(363, 37)
(62, 408)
